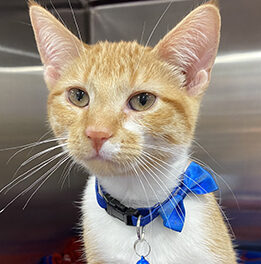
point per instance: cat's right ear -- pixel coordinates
(192, 46)
(56, 44)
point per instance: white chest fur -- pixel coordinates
(114, 240)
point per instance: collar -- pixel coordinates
(194, 180)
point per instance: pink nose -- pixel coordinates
(97, 136)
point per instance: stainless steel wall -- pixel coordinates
(53, 213)
(229, 128)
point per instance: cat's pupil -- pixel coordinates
(79, 95)
(143, 98)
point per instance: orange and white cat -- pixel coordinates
(128, 114)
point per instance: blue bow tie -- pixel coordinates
(195, 180)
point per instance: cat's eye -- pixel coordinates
(78, 97)
(142, 101)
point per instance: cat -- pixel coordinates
(128, 114)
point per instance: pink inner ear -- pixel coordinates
(200, 80)
(192, 45)
(56, 44)
(51, 74)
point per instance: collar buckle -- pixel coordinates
(120, 211)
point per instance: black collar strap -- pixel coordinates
(114, 207)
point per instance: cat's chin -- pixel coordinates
(104, 167)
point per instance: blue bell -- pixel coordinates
(143, 261)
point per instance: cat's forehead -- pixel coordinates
(116, 67)
(115, 50)
(115, 61)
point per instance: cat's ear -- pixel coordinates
(56, 44)
(192, 46)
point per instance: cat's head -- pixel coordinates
(121, 104)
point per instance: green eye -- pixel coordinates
(142, 101)
(78, 97)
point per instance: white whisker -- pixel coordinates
(149, 184)
(38, 167)
(75, 21)
(26, 146)
(179, 172)
(41, 153)
(170, 151)
(57, 13)
(142, 185)
(46, 176)
(210, 156)
(168, 192)
(151, 34)
(156, 25)
(79, 33)
(64, 170)
(142, 33)
(42, 137)
(28, 188)
(145, 192)
(67, 174)
(170, 165)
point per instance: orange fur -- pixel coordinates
(219, 238)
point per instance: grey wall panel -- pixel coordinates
(135, 21)
(17, 44)
(52, 214)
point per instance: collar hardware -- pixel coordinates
(120, 211)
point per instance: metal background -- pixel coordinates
(229, 129)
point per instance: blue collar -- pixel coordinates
(194, 180)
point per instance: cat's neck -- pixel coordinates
(147, 187)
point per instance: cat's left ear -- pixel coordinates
(56, 44)
(192, 46)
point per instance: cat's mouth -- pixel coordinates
(103, 166)
(97, 156)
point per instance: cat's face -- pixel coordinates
(121, 104)
(130, 96)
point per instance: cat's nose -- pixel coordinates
(97, 136)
